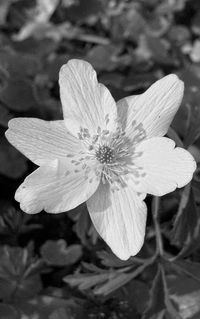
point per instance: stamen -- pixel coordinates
(139, 131)
(112, 154)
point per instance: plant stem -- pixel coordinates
(155, 209)
(174, 136)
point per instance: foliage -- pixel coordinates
(56, 266)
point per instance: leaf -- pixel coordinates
(83, 226)
(112, 79)
(36, 47)
(121, 278)
(195, 151)
(8, 312)
(57, 253)
(185, 292)
(136, 293)
(191, 269)
(191, 104)
(5, 116)
(68, 3)
(114, 283)
(54, 64)
(87, 281)
(46, 306)
(83, 10)
(19, 65)
(160, 303)
(104, 57)
(60, 313)
(159, 51)
(195, 52)
(193, 132)
(104, 282)
(111, 260)
(12, 163)
(18, 276)
(179, 34)
(186, 230)
(13, 222)
(196, 23)
(3, 78)
(130, 24)
(138, 81)
(18, 95)
(4, 9)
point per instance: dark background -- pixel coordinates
(56, 266)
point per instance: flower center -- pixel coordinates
(105, 154)
(111, 154)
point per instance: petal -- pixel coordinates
(86, 103)
(123, 109)
(42, 141)
(53, 188)
(120, 219)
(154, 109)
(161, 167)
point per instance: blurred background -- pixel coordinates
(56, 266)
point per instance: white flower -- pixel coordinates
(108, 154)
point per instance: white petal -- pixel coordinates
(162, 167)
(86, 103)
(155, 109)
(42, 141)
(120, 218)
(123, 108)
(53, 188)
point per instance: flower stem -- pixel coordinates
(174, 136)
(155, 209)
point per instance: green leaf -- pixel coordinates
(18, 95)
(8, 312)
(111, 260)
(60, 313)
(160, 303)
(57, 253)
(5, 116)
(83, 226)
(104, 57)
(186, 230)
(135, 82)
(121, 277)
(14, 222)
(185, 291)
(196, 23)
(193, 132)
(18, 276)
(114, 283)
(179, 34)
(83, 10)
(19, 65)
(136, 293)
(88, 281)
(191, 269)
(104, 282)
(4, 9)
(12, 163)
(47, 307)
(191, 105)
(159, 51)
(129, 24)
